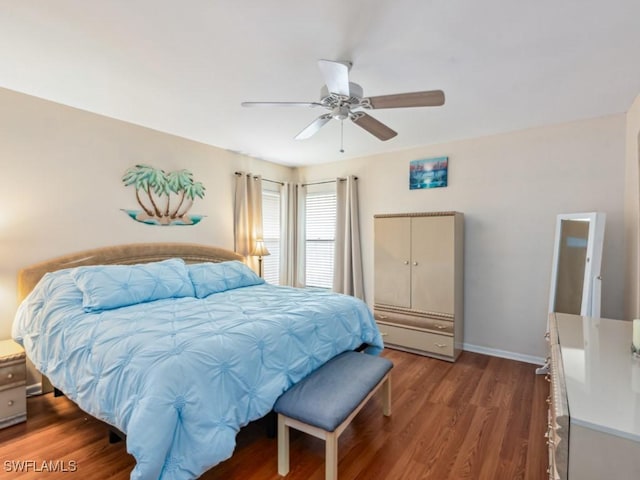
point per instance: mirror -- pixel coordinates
(575, 272)
(577, 256)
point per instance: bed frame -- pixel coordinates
(127, 254)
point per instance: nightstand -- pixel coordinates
(13, 380)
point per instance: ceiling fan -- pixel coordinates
(344, 99)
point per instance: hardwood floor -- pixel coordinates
(479, 418)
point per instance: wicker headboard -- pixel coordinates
(123, 254)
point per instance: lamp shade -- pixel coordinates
(261, 249)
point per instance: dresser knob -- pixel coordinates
(10, 375)
(415, 264)
(406, 262)
(440, 327)
(10, 403)
(440, 345)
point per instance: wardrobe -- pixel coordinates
(419, 280)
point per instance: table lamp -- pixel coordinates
(260, 251)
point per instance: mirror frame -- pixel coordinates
(592, 282)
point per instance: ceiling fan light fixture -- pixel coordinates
(341, 112)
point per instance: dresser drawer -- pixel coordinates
(402, 319)
(13, 373)
(551, 469)
(416, 340)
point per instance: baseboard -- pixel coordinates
(503, 354)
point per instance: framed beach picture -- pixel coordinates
(428, 173)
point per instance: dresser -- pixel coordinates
(594, 403)
(13, 378)
(418, 282)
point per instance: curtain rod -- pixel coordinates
(326, 181)
(264, 179)
(304, 184)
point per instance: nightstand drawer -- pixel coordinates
(15, 373)
(13, 402)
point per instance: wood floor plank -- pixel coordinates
(479, 418)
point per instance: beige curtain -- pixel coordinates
(347, 270)
(292, 244)
(247, 215)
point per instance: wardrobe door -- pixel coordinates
(392, 261)
(432, 264)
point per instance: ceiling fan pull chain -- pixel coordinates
(341, 136)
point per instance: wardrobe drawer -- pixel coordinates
(425, 323)
(417, 340)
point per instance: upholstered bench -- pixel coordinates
(324, 403)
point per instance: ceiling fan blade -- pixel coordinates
(431, 98)
(336, 76)
(281, 104)
(313, 127)
(373, 126)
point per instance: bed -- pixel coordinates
(192, 347)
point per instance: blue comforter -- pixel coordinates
(181, 376)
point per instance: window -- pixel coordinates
(271, 235)
(320, 228)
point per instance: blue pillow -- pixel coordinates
(105, 287)
(211, 278)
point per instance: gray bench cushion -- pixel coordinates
(327, 396)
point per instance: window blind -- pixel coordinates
(320, 227)
(271, 235)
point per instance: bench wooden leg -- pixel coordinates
(283, 446)
(331, 456)
(386, 397)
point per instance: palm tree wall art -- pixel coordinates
(165, 198)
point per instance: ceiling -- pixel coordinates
(184, 69)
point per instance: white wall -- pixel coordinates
(632, 211)
(510, 188)
(61, 188)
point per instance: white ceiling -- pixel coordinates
(184, 67)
